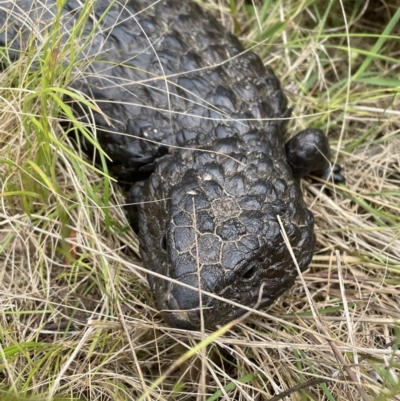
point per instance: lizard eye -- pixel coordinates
(163, 242)
(249, 273)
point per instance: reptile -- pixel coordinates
(196, 123)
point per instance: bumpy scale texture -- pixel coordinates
(215, 168)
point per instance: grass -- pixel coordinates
(77, 321)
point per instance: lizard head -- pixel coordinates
(208, 222)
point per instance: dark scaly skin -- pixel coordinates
(207, 213)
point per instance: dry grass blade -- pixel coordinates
(320, 324)
(299, 387)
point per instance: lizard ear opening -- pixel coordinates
(163, 242)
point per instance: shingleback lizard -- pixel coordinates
(197, 124)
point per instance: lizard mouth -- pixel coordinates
(176, 316)
(214, 313)
(182, 319)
